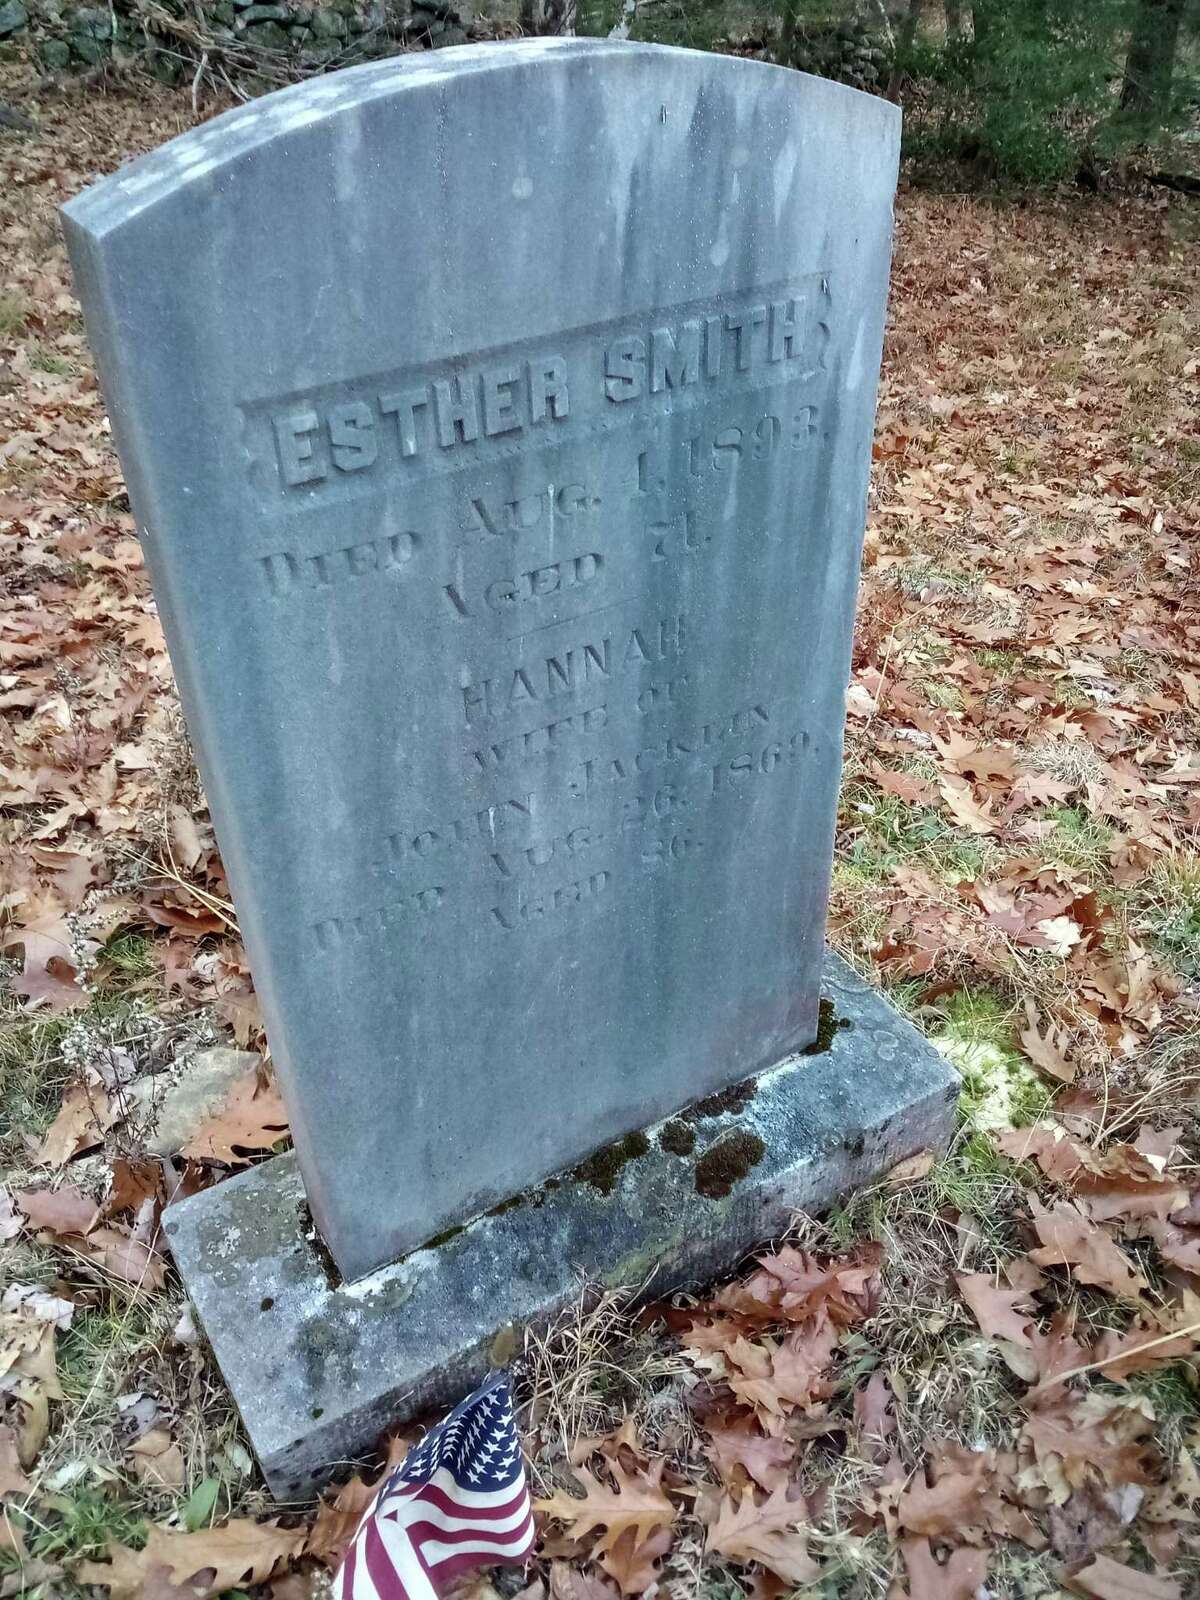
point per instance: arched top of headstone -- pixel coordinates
(847, 117)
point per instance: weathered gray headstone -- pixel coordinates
(497, 424)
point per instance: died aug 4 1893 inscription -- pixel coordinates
(497, 425)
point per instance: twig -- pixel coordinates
(1109, 1361)
(887, 656)
(220, 908)
(201, 65)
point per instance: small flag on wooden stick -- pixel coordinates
(458, 1500)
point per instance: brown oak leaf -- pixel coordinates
(770, 1534)
(64, 1210)
(635, 1500)
(1049, 1050)
(202, 1564)
(83, 1119)
(768, 1461)
(339, 1514)
(1102, 1578)
(953, 1502)
(996, 1309)
(633, 1561)
(253, 1118)
(960, 1577)
(1071, 1239)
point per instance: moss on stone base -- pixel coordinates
(727, 1162)
(676, 1137)
(828, 1023)
(736, 1098)
(604, 1168)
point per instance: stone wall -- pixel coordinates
(284, 38)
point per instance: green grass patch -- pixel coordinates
(101, 1341)
(80, 1526)
(42, 360)
(129, 955)
(887, 831)
(1080, 839)
(33, 1073)
(36, 1066)
(1171, 915)
(14, 313)
(1174, 1392)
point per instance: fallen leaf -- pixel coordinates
(338, 1516)
(996, 1309)
(36, 1302)
(1105, 1579)
(203, 1564)
(157, 1460)
(873, 1414)
(965, 808)
(770, 1534)
(12, 1475)
(633, 1561)
(252, 1118)
(768, 1461)
(952, 1503)
(635, 1501)
(960, 1577)
(1049, 1050)
(1071, 1239)
(569, 1583)
(774, 1378)
(82, 1121)
(63, 1210)
(910, 1171)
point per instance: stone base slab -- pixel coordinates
(320, 1369)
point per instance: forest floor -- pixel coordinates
(979, 1376)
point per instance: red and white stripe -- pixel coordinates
(417, 1536)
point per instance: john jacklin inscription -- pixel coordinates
(497, 425)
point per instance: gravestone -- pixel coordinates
(497, 425)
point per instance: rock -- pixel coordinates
(10, 117)
(197, 1094)
(85, 48)
(265, 14)
(93, 22)
(327, 24)
(13, 17)
(267, 36)
(452, 35)
(322, 51)
(54, 54)
(223, 13)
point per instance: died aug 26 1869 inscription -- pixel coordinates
(497, 425)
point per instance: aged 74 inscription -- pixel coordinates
(505, 524)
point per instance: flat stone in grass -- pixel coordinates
(320, 1368)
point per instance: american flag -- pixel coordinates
(457, 1500)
